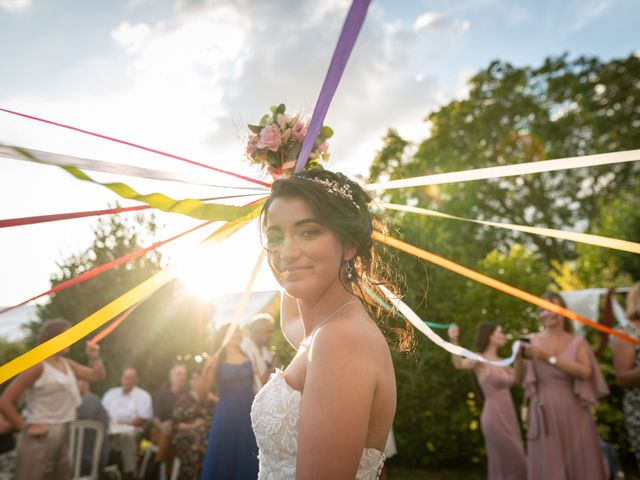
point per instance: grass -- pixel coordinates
(397, 473)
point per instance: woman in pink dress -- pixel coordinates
(498, 421)
(563, 381)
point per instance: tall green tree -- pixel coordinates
(167, 325)
(564, 108)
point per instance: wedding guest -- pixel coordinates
(51, 396)
(232, 452)
(498, 421)
(191, 419)
(256, 346)
(91, 408)
(131, 406)
(626, 363)
(563, 381)
(164, 403)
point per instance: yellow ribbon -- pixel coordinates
(102, 316)
(189, 206)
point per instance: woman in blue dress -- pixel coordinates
(232, 453)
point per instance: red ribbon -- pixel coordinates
(15, 222)
(94, 272)
(135, 145)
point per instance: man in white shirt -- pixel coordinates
(256, 346)
(130, 408)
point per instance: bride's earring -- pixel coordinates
(349, 270)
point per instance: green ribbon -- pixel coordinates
(392, 310)
(190, 207)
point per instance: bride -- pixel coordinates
(328, 414)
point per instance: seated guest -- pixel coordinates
(256, 346)
(7, 430)
(163, 404)
(191, 418)
(7, 443)
(92, 409)
(128, 405)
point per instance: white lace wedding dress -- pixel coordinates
(274, 416)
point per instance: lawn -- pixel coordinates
(412, 474)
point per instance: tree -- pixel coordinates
(10, 350)
(562, 109)
(167, 325)
(619, 218)
(438, 414)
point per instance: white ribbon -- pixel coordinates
(415, 320)
(58, 159)
(510, 170)
(586, 238)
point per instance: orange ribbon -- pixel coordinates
(97, 338)
(497, 284)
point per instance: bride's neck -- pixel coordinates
(317, 310)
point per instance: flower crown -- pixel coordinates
(276, 141)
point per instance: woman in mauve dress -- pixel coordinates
(498, 422)
(626, 362)
(563, 381)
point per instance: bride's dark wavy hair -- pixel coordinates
(353, 223)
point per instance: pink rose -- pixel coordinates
(299, 131)
(270, 138)
(252, 144)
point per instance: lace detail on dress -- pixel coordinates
(274, 416)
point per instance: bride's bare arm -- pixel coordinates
(339, 390)
(290, 320)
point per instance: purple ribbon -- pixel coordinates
(348, 35)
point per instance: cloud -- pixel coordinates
(215, 66)
(131, 37)
(193, 80)
(15, 5)
(590, 12)
(440, 23)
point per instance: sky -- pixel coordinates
(186, 76)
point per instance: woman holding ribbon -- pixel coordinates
(498, 421)
(51, 394)
(328, 414)
(626, 362)
(563, 381)
(231, 447)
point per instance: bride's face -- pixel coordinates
(305, 256)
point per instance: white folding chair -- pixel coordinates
(175, 469)
(77, 438)
(146, 458)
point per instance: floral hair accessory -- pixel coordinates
(276, 141)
